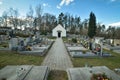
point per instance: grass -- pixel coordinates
(65, 39)
(57, 75)
(110, 62)
(13, 58)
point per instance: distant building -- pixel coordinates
(59, 31)
(116, 41)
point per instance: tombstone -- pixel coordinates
(21, 45)
(2, 38)
(37, 35)
(13, 44)
(11, 34)
(27, 41)
(98, 41)
(101, 51)
(93, 45)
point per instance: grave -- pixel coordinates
(99, 50)
(76, 48)
(99, 42)
(85, 73)
(79, 51)
(34, 52)
(24, 72)
(81, 54)
(37, 49)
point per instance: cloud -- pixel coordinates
(1, 2)
(117, 24)
(46, 5)
(69, 1)
(112, 0)
(64, 2)
(58, 7)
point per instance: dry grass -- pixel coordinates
(57, 75)
(111, 62)
(13, 58)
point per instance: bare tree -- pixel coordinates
(1, 21)
(5, 16)
(39, 11)
(29, 16)
(13, 15)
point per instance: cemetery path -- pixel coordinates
(57, 57)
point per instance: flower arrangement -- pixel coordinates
(100, 76)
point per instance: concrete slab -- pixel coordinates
(85, 74)
(76, 48)
(38, 73)
(40, 48)
(24, 72)
(34, 52)
(13, 73)
(117, 51)
(80, 54)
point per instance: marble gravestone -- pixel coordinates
(98, 41)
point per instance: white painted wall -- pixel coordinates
(58, 28)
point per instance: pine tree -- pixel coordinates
(60, 18)
(92, 25)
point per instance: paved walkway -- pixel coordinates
(58, 58)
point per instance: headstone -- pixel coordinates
(98, 41)
(26, 41)
(101, 51)
(11, 34)
(37, 35)
(21, 44)
(13, 43)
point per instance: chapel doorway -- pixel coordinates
(59, 34)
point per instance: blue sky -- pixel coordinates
(106, 11)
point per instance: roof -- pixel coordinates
(59, 28)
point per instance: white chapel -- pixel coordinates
(59, 31)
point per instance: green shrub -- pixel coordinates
(74, 40)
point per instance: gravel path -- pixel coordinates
(57, 57)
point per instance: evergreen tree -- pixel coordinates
(60, 18)
(92, 25)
